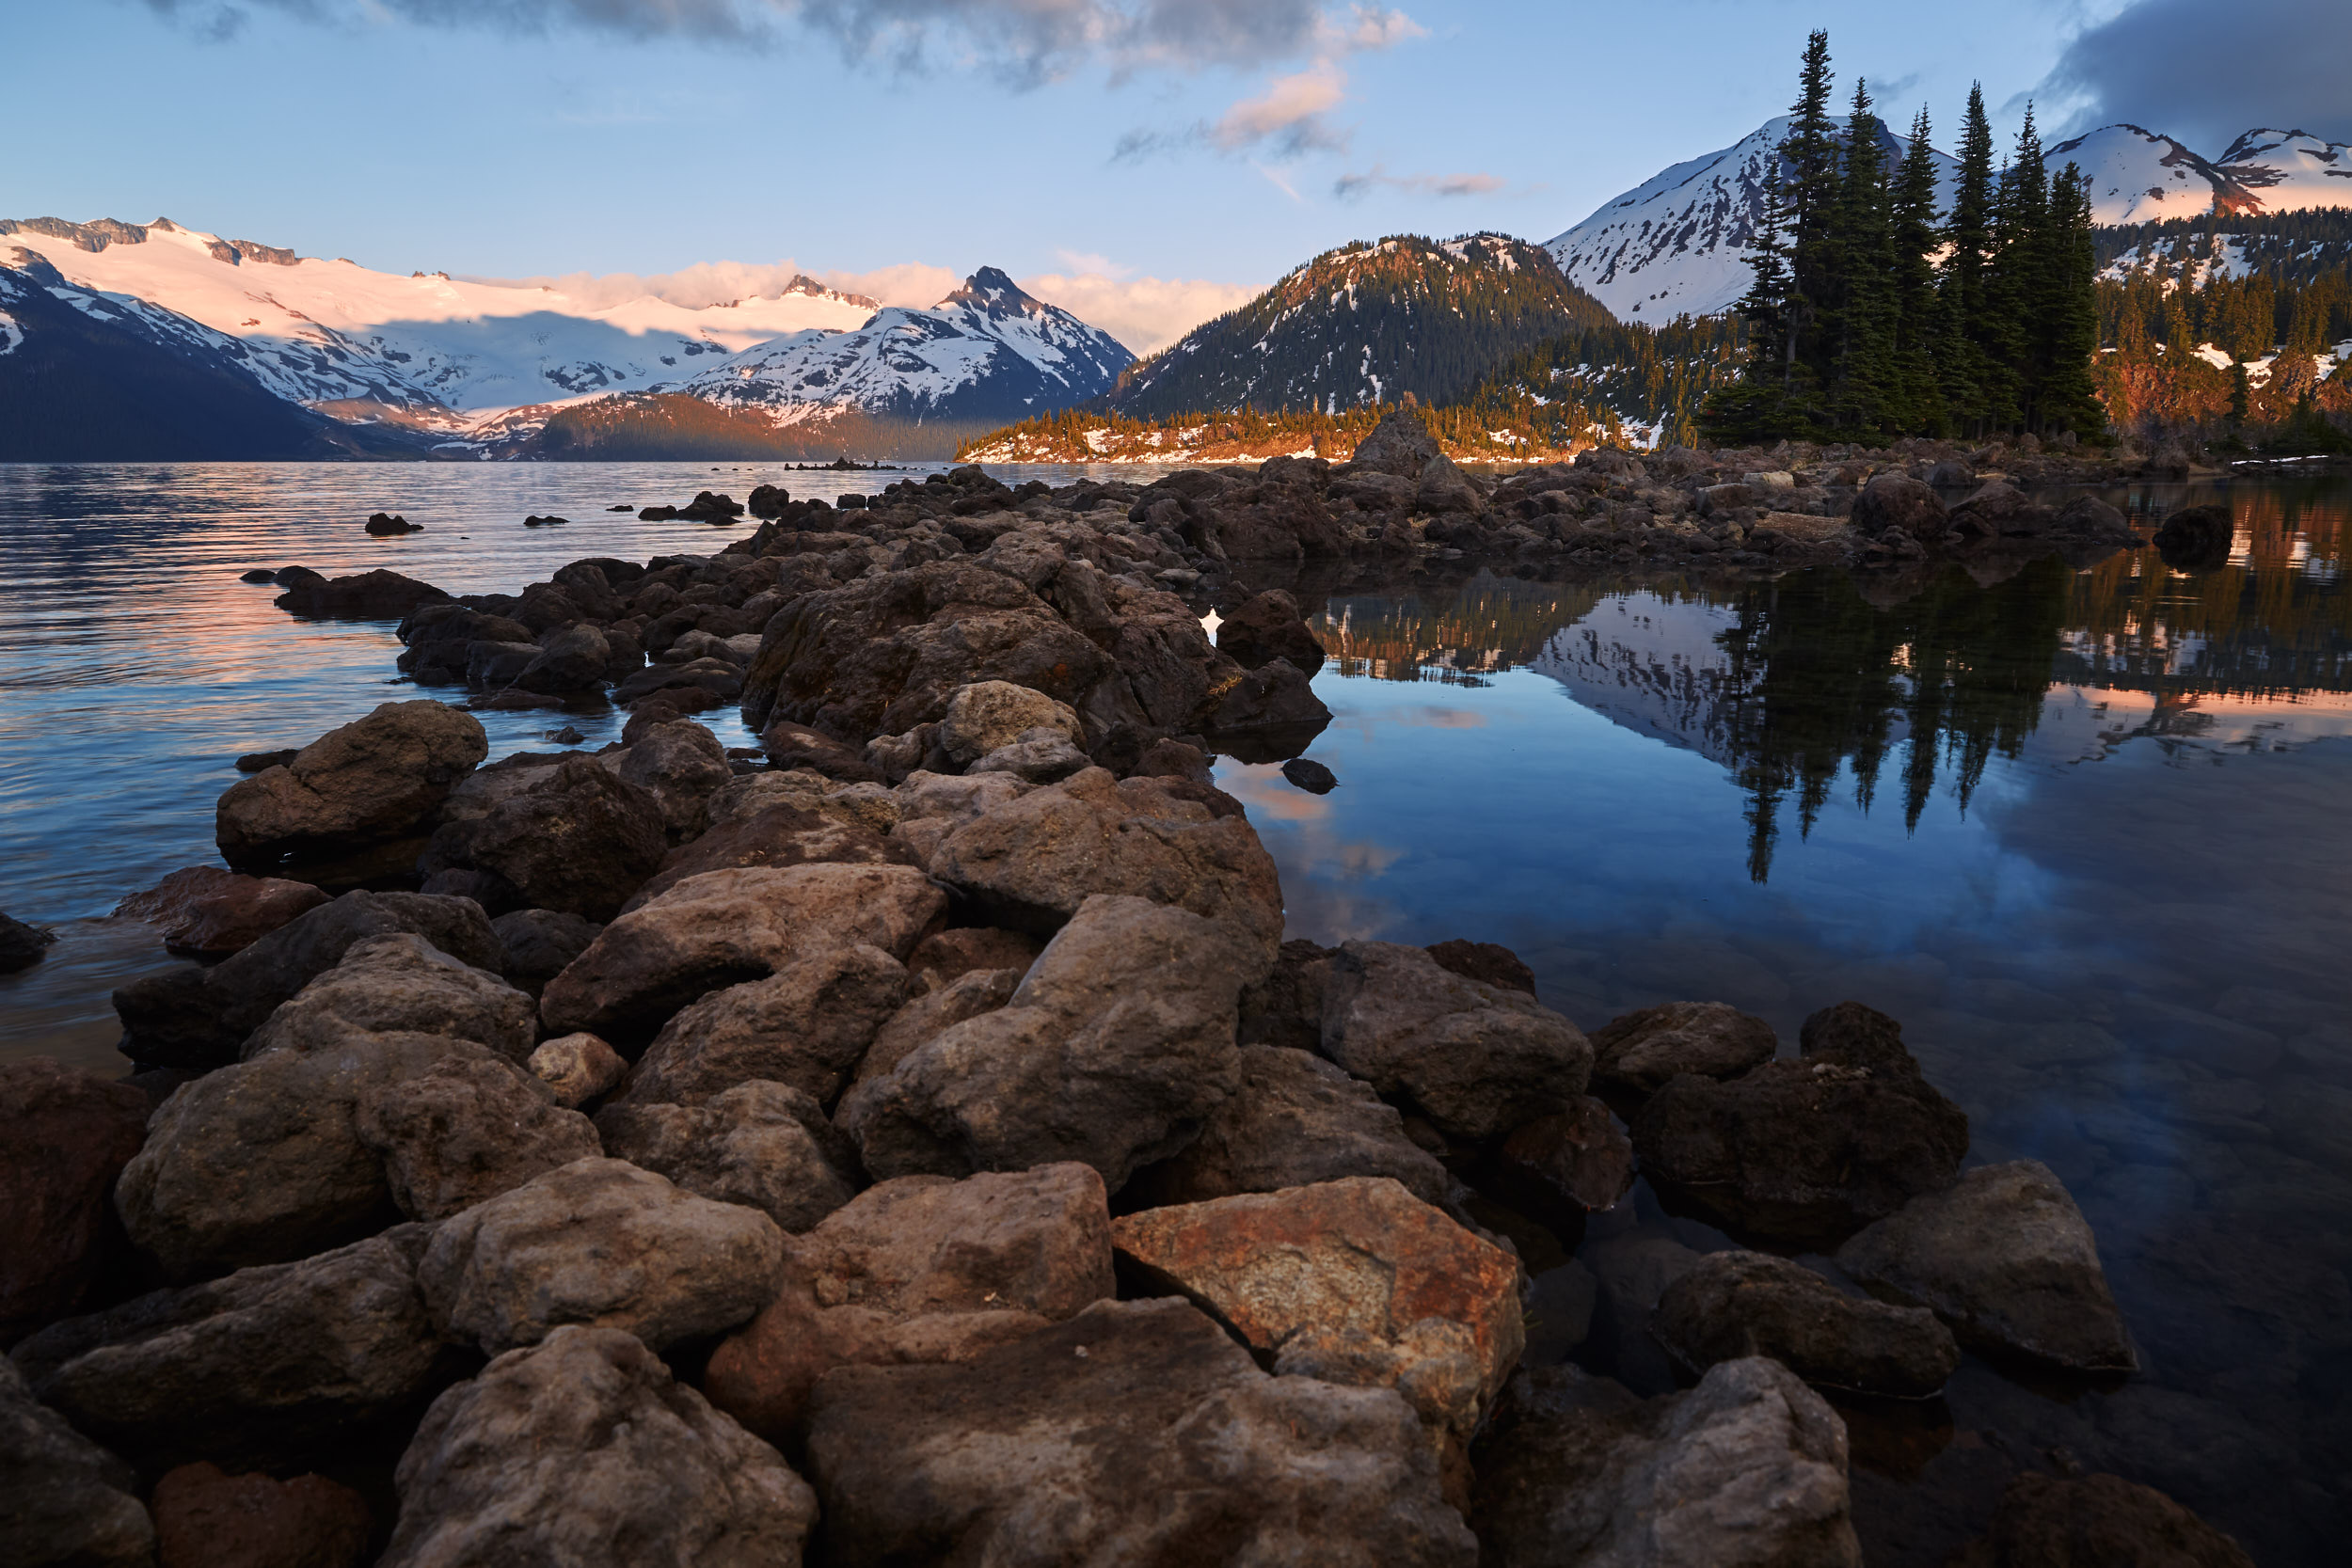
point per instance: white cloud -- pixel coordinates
(1292, 116)
(704, 283)
(1145, 313)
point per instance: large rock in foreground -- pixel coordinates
(1808, 1150)
(1136, 1432)
(1747, 1470)
(1476, 1059)
(400, 985)
(761, 1144)
(1739, 1304)
(808, 1025)
(206, 910)
(376, 779)
(582, 1451)
(65, 1502)
(1641, 1051)
(1116, 1047)
(65, 1136)
(2006, 1259)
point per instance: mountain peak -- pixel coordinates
(992, 286)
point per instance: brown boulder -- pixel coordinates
(575, 838)
(1400, 444)
(763, 1145)
(1267, 627)
(1736, 1303)
(934, 1013)
(1561, 1166)
(65, 1136)
(206, 910)
(947, 957)
(1895, 500)
(808, 1025)
(777, 835)
(1488, 961)
(379, 777)
(207, 1518)
(1640, 1052)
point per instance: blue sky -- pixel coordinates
(1121, 144)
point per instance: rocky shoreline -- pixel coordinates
(915, 1141)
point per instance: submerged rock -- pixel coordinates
(1737, 1304)
(1641, 1051)
(2096, 1519)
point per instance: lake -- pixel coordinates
(2087, 833)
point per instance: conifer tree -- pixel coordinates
(1965, 267)
(1920, 321)
(1858, 344)
(2013, 281)
(2068, 320)
(1810, 157)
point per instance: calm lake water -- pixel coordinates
(2087, 833)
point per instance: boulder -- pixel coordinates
(536, 945)
(1400, 444)
(1561, 1166)
(760, 1144)
(20, 945)
(723, 928)
(1737, 1303)
(1031, 862)
(934, 1013)
(377, 779)
(603, 1243)
(1443, 487)
(65, 1502)
(1261, 715)
(2196, 538)
(400, 984)
(201, 1017)
(947, 957)
(777, 835)
(2002, 1255)
(791, 745)
(378, 596)
(207, 1518)
(1355, 1281)
(1042, 756)
(1286, 1007)
(1294, 1120)
(1476, 1059)
(206, 910)
(1135, 1431)
(1488, 961)
(987, 715)
(2093, 521)
(807, 1025)
(1115, 1049)
(681, 765)
(300, 1149)
(575, 839)
(918, 1268)
(696, 684)
(1311, 776)
(2096, 1520)
(1639, 1053)
(1265, 628)
(1808, 1150)
(582, 1452)
(1895, 500)
(65, 1136)
(569, 661)
(1747, 1470)
(263, 1369)
(577, 1069)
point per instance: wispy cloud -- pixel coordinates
(1292, 115)
(1274, 178)
(1350, 187)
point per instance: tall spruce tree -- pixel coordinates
(2014, 281)
(1965, 272)
(1810, 157)
(1859, 314)
(1921, 323)
(2067, 325)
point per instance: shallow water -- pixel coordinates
(2085, 833)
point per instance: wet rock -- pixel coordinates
(1894, 500)
(603, 1243)
(300, 1149)
(755, 1143)
(577, 1069)
(65, 1135)
(380, 594)
(569, 661)
(987, 715)
(536, 945)
(1641, 1051)
(1165, 1443)
(1263, 714)
(807, 1025)
(934, 1013)
(207, 1518)
(1267, 627)
(384, 524)
(574, 839)
(65, 1502)
(1488, 962)
(725, 927)
(948, 956)
(777, 835)
(681, 764)
(1747, 1469)
(1739, 1304)
(263, 1367)
(2196, 538)
(2096, 1520)
(1561, 1166)
(1400, 444)
(400, 984)
(2092, 520)
(918, 1268)
(377, 779)
(201, 1017)
(1114, 1050)
(2004, 1257)
(582, 1451)
(206, 910)
(695, 684)
(1355, 1281)
(1476, 1059)
(1029, 863)
(1808, 1150)
(1295, 1120)
(1312, 777)
(254, 762)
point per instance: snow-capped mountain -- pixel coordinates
(988, 351)
(2137, 176)
(2290, 171)
(338, 336)
(1677, 244)
(1366, 324)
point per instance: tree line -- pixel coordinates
(1874, 313)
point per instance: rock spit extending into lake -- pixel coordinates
(924, 1147)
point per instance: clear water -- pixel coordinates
(2088, 834)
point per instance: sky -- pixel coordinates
(1146, 163)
